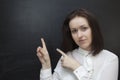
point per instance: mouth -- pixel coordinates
(82, 41)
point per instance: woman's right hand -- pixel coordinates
(43, 55)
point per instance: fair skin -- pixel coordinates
(81, 34)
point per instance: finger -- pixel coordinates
(43, 43)
(39, 55)
(62, 59)
(40, 58)
(61, 52)
(38, 52)
(38, 49)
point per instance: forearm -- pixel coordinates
(46, 74)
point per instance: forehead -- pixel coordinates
(78, 21)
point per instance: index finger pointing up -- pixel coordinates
(43, 43)
(61, 52)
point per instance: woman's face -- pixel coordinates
(81, 32)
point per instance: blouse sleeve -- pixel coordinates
(109, 71)
(47, 75)
(82, 74)
(85, 71)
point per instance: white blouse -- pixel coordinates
(103, 66)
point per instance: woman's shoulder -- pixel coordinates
(107, 54)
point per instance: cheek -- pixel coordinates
(73, 37)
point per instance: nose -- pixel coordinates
(79, 34)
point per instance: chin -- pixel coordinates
(84, 47)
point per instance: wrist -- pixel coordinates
(75, 67)
(43, 68)
(46, 66)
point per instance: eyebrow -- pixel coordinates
(79, 27)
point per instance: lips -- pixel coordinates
(82, 41)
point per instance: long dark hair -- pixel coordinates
(97, 40)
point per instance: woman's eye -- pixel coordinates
(84, 28)
(73, 31)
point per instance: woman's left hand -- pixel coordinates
(68, 62)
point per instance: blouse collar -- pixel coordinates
(83, 52)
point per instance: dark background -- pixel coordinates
(24, 22)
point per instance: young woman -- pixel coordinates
(83, 55)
